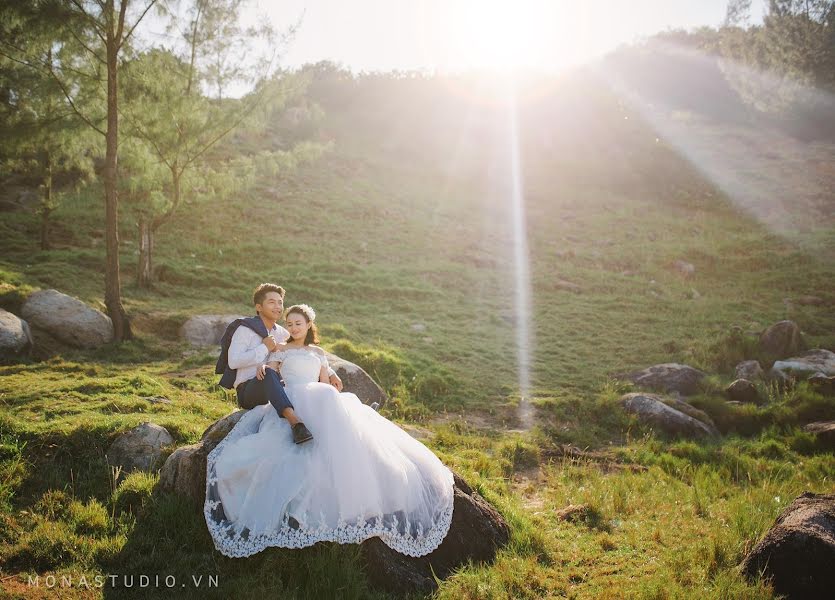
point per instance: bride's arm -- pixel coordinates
(274, 360)
(324, 371)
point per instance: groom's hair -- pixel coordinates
(261, 292)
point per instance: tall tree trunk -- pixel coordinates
(112, 283)
(146, 248)
(46, 204)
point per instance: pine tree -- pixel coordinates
(179, 112)
(102, 29)
(43, 139)
(782, 65)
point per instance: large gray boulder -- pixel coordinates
(184, 471)
(652, 410)
(687, 409)
(206, 330)
(475, 535)
(743, 390)
(15, 337)
(822, 384)
(798, 552)
(782, 339)
(140, 448)
(749, 370)
(668, 377)
(67, 319)
(357, 381)
(824, 432)
(805, 364)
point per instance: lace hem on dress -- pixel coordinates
(394, 530)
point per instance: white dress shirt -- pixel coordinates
(247, 351)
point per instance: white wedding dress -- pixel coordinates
(360, 476)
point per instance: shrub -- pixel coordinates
(134, 493)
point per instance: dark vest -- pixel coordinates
(228, 375)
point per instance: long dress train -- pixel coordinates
(361, 476)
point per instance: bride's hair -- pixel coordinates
(309, 315)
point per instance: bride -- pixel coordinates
(360, 476)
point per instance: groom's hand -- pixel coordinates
(336, 381)
(270, 343)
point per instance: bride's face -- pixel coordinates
(297, 325)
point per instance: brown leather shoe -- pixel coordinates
(301, 434)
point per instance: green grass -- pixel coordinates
(406, 252)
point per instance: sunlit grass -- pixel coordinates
(409, 264)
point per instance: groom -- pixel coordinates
(248, 349)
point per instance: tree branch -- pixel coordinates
(43, 63)
(72, 104)
(139, 20)
(89, 17)
(17, 60)
(123, 9)
(87, 48)
(146, 137)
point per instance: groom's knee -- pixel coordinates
(271, 374)
(276, 394)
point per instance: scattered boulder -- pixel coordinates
(743, 390)
(157, 399)
(749, 369)
(652, 410)
(798, 552)
(823, 384)
(218, 430)
(184, 471)
(140, 448)
(668, 377)
(574, 513)
(824, 432)
(684, 268)
(806, 364)
(688, 409)
(477, 531)
(66, 319)
(15, 337)
(357, 381)
(206, 330)
(782, 339)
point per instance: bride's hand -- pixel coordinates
(261, 372)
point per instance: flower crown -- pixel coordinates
(305, 309)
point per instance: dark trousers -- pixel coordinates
(252, 393)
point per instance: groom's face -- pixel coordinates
(272, 307)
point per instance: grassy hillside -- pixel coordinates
(401, 237)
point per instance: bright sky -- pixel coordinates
(448, 35)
